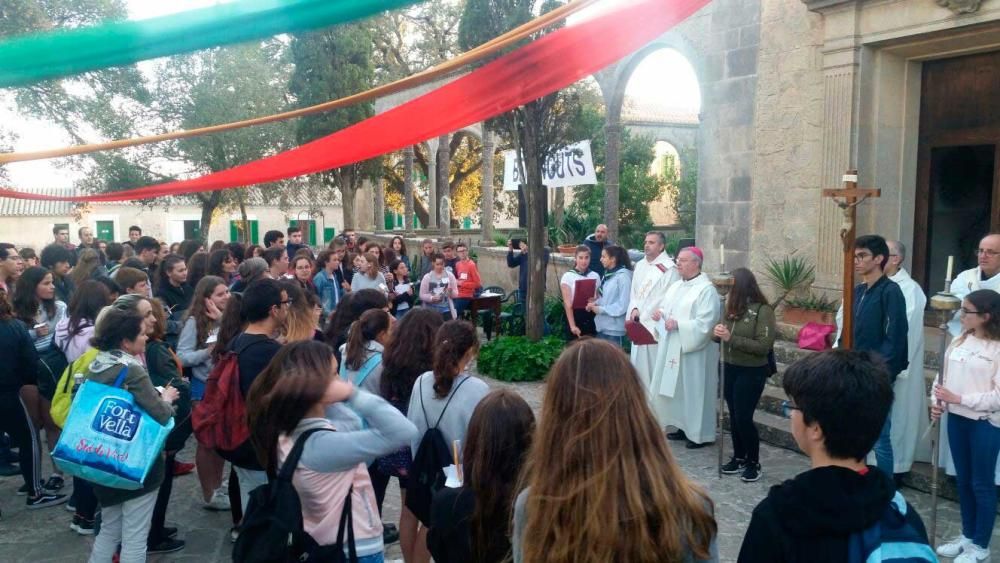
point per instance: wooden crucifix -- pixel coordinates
(848, 199)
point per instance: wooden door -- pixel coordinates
(958, 175)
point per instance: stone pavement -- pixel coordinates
(44, 535)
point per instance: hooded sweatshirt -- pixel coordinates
(809, 519)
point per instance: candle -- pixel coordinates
(722, 256)
(951, 264)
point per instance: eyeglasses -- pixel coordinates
(987, 252)
(286, 302)
(861, 256)
(968, 312)
(787, 407)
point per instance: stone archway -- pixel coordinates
(614, 82)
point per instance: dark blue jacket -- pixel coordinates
(595, 253)
(521, 261)
(20, 359)
(880, 323)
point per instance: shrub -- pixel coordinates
(515, 358)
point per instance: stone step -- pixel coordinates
(787, 351)
(775, 430)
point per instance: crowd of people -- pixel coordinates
(354, 365)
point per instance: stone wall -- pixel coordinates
(729, 38)
(788, 133)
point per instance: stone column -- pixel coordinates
(612, 163)
(487, 217)
(379, 205)
(444, 189)
(841, 63)
(408, 191)
(432, 199)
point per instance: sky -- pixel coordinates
(664, 77)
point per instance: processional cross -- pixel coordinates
(848, 199)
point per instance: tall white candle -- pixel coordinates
(951, 264)
(722, 255)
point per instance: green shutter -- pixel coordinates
(329, 233)
(106, 230)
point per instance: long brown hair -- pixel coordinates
(198, 311)
(372, 323)
(409, 353)
(454, 340)
(301, 323)
(600, 451)
(86, 263)
(294, 382)
(745, 291)
(497, 442)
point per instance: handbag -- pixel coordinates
(62, 400)
(108, 438)
(814, 336)
(51, 364)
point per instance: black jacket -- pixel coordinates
(175, 299)
(20, 362)
(521, 261)
(880, 323)
(449, 537)
(809, 519)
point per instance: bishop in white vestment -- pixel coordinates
(683, 391)
(650, 280)
(985, 276)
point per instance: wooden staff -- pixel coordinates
(946, 304)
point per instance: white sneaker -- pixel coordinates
(220, 500)
(972, 553)
(954, 546)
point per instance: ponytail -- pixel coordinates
(371, 324)
(454, 340)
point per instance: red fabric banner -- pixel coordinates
(531, 72)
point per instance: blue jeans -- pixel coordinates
(373, 558)
(616, 340)
(974, 448)
(883, 448)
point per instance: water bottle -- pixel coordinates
(77, 382)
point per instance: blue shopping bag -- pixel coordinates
(108, 439)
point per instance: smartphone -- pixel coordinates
(516, 243)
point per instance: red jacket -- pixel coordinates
(467, 275)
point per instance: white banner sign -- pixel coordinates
(572, 165)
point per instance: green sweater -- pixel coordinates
(752, 336)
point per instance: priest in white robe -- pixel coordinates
(650, 280)
(684, 388)
(910, 419)
(985, 276)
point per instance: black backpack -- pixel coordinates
(427, 471)
(272, 530)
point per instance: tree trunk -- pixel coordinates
(612, 165)
(558, 213)
(208, 208)
(535, 192)
(349, 193)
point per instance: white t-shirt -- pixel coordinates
(571, 277)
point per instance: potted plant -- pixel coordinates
(789, 275)
(813, 308)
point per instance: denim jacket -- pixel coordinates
(329, 290)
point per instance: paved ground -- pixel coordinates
(44, 535)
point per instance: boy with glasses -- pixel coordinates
(840, 509)
(880, 324)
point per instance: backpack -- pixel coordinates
(892, 538)
(364, 371)
(220, 419)
(66, 389)
(427, 471)
(272, 529)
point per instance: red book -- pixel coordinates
(638, 334)
(583, 291)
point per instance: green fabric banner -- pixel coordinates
(31, 58)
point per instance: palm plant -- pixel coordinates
(789, 274)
